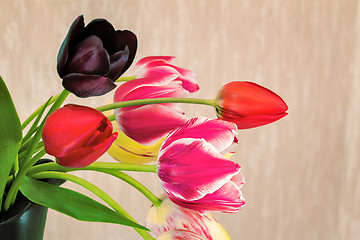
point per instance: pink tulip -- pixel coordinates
(249, 105)
(193, 171)
(157, 78)
(77, 135)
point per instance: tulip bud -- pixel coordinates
(77, 135)
(91, 58)
(249, 105)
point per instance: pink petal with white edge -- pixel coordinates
(127, 87)
(149, 123)
(227, 199)
(192, 168)
(221, 134)
(173, 89)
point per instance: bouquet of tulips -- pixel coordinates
(143, 129)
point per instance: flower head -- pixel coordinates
(158, 78)
(193, 171)
(92, 57)
(77, 135)
(249, 105)
(169, 216)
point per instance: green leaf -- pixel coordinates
(72, 203)
(10, 135)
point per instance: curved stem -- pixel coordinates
(94, 189)
(154, 101)
(136, 184)
(97, 166)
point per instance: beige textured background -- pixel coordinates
(301, 172)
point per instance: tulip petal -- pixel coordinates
(160, 70)
(75, 29)
(83, 157)
(88, 57)
(226, 199)
(148, 123)
(126, 39)
(179, 165)
(218, 133)
(117, 63)
(173, 89)
(130, 86)
(126, 150)
(245, 122)
(63, 120)
(104, 30)
(87, 85)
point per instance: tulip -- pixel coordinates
(92, 57)
(126, 150)
(169, 216)
(193, 171)
(158, 79)
(249, 105)
(180, 235)
(77, 135)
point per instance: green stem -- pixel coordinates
(125, 79)
(37, 111)
(97, 166)
(155, 101)
(94, 189)
(108, 168)
(136, 184)
(28, 162)
(112, 117)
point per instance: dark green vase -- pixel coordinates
(25, 221)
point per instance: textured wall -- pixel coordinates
(301, 172)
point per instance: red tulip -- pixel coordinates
(77, 135)
(249, 105)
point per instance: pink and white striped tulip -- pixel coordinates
(193, 171)
(156, 78)
(169, 216)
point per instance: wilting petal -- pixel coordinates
(87, 85)
(249, 105)
(126, 150)
(149, 123)
(218, 133)
(177, 166)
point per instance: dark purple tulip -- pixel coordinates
(92, 57)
